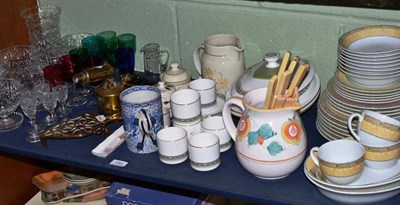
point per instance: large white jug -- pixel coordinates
(221, 61)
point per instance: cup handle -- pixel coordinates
(165, 64)
(196, 58)
(227, 116)
(350, 120)
(313, 157)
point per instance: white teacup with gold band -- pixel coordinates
(340, 161)
(380, 135)
(172, 145)
(381, 157)
(375, 129)
(185, 106)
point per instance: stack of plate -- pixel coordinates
(370, 56)
(346, 94)
(372, 186)
(76, 179)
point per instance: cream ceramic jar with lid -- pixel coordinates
(176, 76)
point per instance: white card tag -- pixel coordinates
(118, 163)
(101, 118)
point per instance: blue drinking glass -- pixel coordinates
(125, 59)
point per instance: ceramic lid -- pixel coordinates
(175, 74)
(258, 75)
(166, 90)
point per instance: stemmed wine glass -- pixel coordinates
(62, 91)
(28, 106)
(9, 101)
(73, 64)
(49, 98)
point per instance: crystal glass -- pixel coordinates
(43, 23)
(29, 75)
(62, 91)
(49, 98)
(9, 101)
(72, 65)
(15, 56)
(74, 40)
(28, 106)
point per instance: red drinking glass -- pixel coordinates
(72, 65)
(53, 74)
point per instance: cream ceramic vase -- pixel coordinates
(221, 61)
(270, 144)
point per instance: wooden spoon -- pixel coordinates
(270, 92)
(284, 63)
(293, 64)
(298, 77)
(283, 82)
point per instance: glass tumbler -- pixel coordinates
(96, 48)
(125, 60)
(126, 40)
(111, 44)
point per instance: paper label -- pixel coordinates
(118, 163)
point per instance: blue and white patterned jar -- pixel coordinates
(142, 116)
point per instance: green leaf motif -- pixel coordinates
(274, 148)
(252, 138)
(266, 131)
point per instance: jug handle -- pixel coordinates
(165, 64)
(227, 116)
(196, 58)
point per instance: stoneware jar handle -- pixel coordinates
(313, 157)
(227, 116)
(196, 58)
(349, 121)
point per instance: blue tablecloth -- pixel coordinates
(229, 179)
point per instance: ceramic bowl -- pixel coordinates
(377, 40)
(367, 60)
(393, 67)
(372, 81)
(364, 63)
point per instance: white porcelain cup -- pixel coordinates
(204, 151)
(381, 157)
(185, 106)
(191, 129)
(207, 90)
(375, 129)
(172, 145)
(215, 124)
(340, 161)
